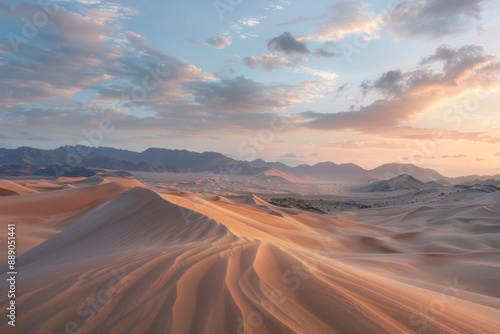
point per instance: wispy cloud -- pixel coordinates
(322, 53)
(218, 42)
(268, 61)
(356, 144)
(251, 21)
(277, 5)
(346, 19)
(326, 75)
(290, 156)
(457, 156)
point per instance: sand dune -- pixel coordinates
(284, 175)
(111, 256)
(15, 187)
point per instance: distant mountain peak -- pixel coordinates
(400, 182)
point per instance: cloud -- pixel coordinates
(345, 19)
(147, 76)
(40, 139)
(301, 19)
(290, 156)
(460, 63)
(292, 162)
(432, 18)
(497, 155)
(66, 57)
(250, 21)
(355, 144)
(407, 95)
(107, 11)
(84, 69)
(322, 53)
(268, 61)
(417, 157)
(327, 75)
(240, 95)
(136, 40)
(218, 42)
(272, 62)
(56, 116)
(480, 159)
(168, 125)
(274, 7)
(458, 156)
(193, 106)
(277, 5)
(390, 83)
(343, 87)
(288, 44)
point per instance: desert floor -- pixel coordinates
(111, 255)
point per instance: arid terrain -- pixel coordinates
(142, 255)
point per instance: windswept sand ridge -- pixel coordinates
(141, 262)
(15, 187)
(284, 175)
(41, 214)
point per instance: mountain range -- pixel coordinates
(28, 160)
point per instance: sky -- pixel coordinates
(343, 81)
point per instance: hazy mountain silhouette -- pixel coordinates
(27, 160)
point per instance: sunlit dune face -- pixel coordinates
(114, 253)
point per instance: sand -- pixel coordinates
(109, 255)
